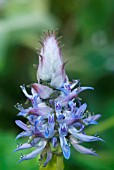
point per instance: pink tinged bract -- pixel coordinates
(41, 110)
(51, 67)
(43, 91)
(59, 77)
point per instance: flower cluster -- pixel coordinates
(56, 117)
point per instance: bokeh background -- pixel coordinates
(87, 27)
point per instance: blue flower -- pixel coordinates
(56, 117)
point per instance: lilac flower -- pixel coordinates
(56, 117)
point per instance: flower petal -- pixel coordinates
(80, 89)
(23, 146)
(74, 94)
(27, 145)
(75, 82)
(34, 153)
(72, 106)
(51, 119)
(65, 147)
(50, 128)
(36, 100)
(23, 134)
(82, 149)
(25, 92)
(24, 112)
(71, 120)
(63, 130)
(49, 156)
(54, 142)
(66, 151)
(83, 137)
(22, 125)
(81, 110)
(58, 106)
(92, 119)
(49, 132)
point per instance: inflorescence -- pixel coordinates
(56, 118)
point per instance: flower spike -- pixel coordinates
(56, 119)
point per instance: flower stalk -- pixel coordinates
(56, 162)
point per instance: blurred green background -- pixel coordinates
(87, 27)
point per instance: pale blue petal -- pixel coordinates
(65, 147)
(74, 127)
(49, 156)
(23, 146)
(65, 89)
(24, 112)
(34, 153)
(92, 119)
(81, 110)
(60, 116)
(49, 132)
(22, 125)
(66, 151)
(58, 106)
(63, 130)
(54, 142)
(75, 82)
(82, 149)
(71, 120)
(80, 89)
(23, 134)
(27, 145)
(36, 100)
(96, 117)
(83, 137)
(51, 119)
(74, 94)
(50, 128)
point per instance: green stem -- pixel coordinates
(56, 163)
